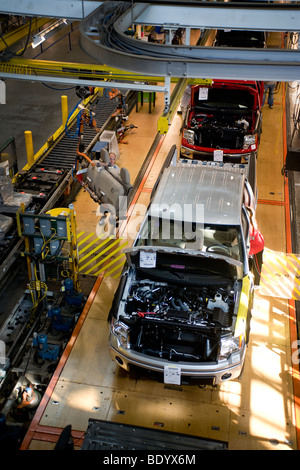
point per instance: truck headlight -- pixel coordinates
(229, 345)
(249, 139)
(121, 331)
(189, 136)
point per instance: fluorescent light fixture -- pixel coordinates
(42, 35)
(37, 40)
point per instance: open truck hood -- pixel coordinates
(148, 255)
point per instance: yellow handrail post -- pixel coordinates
(64, 109)
(29, 147)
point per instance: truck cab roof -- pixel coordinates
(218, 190)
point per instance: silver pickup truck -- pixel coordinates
(183, 306)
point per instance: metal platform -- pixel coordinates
(106, 435)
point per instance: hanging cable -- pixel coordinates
(58, 89)
(36, 287)
(26, 44)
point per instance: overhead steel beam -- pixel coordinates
(217, 15)
(271, 17)
(35, 67)
(88, 82)
(117, 49)
(70, 9)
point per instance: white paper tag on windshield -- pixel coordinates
(147, 260)
(172, 375)
(218, 155)
(203, 93)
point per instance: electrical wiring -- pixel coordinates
(54, 256)
(49, 259)
(110, 38)
(66, 273)
(36, 287)
(114, 46)
(43, 255)
(58, 89)
(26, 44)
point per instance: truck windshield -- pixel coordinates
(225, 99)
(224, 240)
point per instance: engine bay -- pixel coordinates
(178, 323)
(220, 130)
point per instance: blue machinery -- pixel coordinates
(46, 351)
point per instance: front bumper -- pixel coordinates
(192, 154)
(214, 373)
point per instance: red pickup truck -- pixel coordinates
(223, 121)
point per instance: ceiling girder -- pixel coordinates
(260, 15)
(181, 61)
(70, 9)
(116, 49)
(218, 15)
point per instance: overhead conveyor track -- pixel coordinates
(114, 46)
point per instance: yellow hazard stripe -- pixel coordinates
(122, 255)
(289, 261)
(107, 257)
(277, 259)
(100, 254)
(272, 289)
(266, 287)
(287, 280)
(297, 261)
(90, 253)
(279, 289)
(273, 267)
(120, 265)
(96, 240)
(85, 239)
